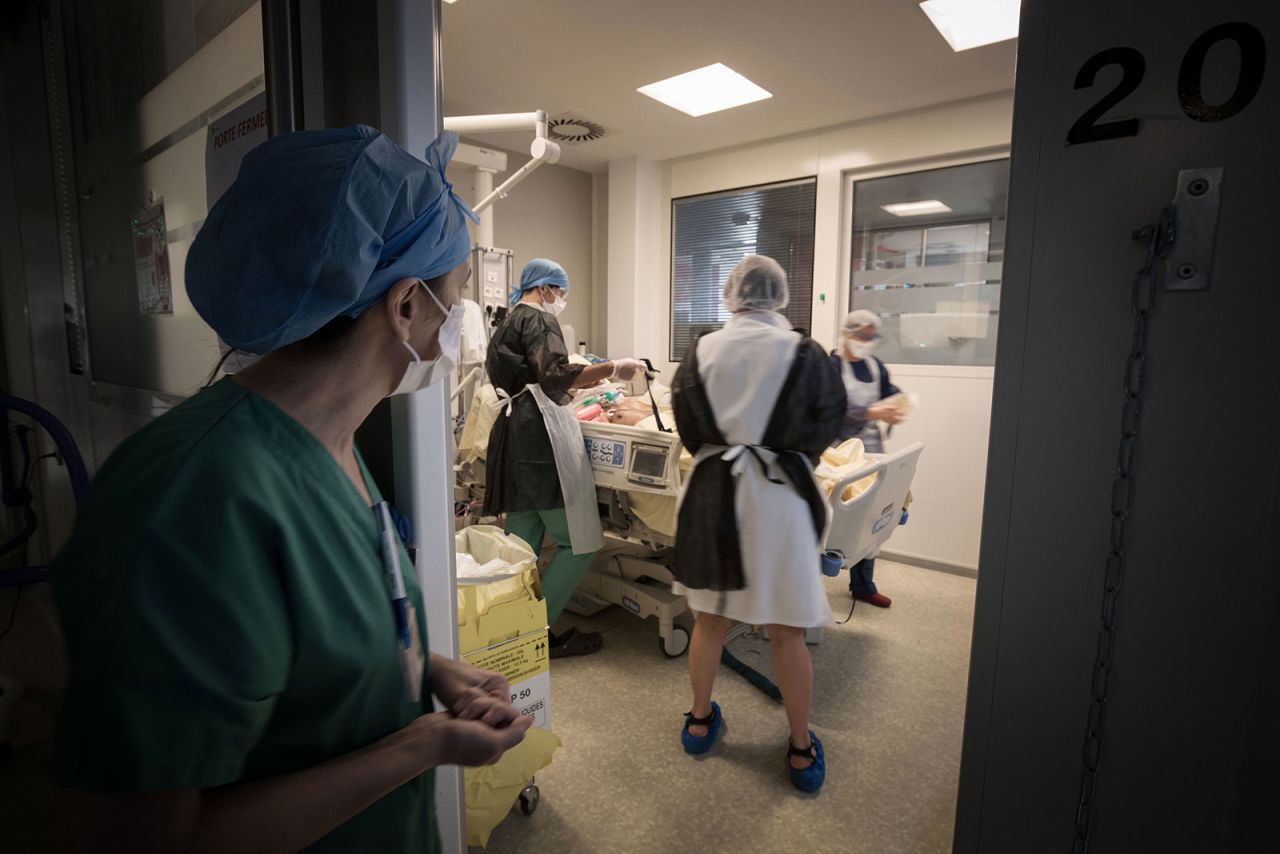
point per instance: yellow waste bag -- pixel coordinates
(492, 790)
(485, 543)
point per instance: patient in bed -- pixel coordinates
(658, 512)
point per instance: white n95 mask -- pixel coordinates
(859, 349)
(555, 307)
(419, 374)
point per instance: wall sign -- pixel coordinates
(151, 261)
(231, 137)
(1246, 37)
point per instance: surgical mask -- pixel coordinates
(556, 307)
(859, 349)
(420, 374)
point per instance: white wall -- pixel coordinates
(600, 262)
(954, 418)
(548, 216)
(637, 264)
(953, 422)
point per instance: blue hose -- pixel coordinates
(755, 677)
(76, 471)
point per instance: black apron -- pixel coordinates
(520, 468)
(806, 417)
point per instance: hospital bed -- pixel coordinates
(861, 524)
(633, 570)
(632, 464)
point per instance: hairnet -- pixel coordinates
(319, 224)
(858, 319)
(756, 283)
(540, 271)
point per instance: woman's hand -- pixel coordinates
(885, 412)
(447, 740)
(459, 686)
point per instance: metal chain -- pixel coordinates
(1160, 240)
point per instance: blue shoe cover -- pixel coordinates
(696, 744)
(809, 779)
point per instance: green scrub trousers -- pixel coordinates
(565, 571)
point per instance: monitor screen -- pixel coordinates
(649, 462)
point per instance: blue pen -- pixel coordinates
(391, 561)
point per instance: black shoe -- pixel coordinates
(574, 642)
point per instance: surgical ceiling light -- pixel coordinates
(705, 90)
(930, 206)
(967, 24)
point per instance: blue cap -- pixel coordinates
(320, 224)
(540, 271)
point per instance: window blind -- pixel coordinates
(711, 233)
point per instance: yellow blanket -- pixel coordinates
(839, 461)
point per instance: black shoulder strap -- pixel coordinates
(648, 383)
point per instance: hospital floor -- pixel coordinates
(888, 705)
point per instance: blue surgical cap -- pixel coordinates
(320, 224)
(540, 271)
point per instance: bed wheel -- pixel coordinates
(676, 643)
(529, 799)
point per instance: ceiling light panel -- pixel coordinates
(707, 90)
(929, 206)
(968, 24)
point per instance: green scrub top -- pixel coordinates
(228, 617)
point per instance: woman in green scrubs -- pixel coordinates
(241, 678)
